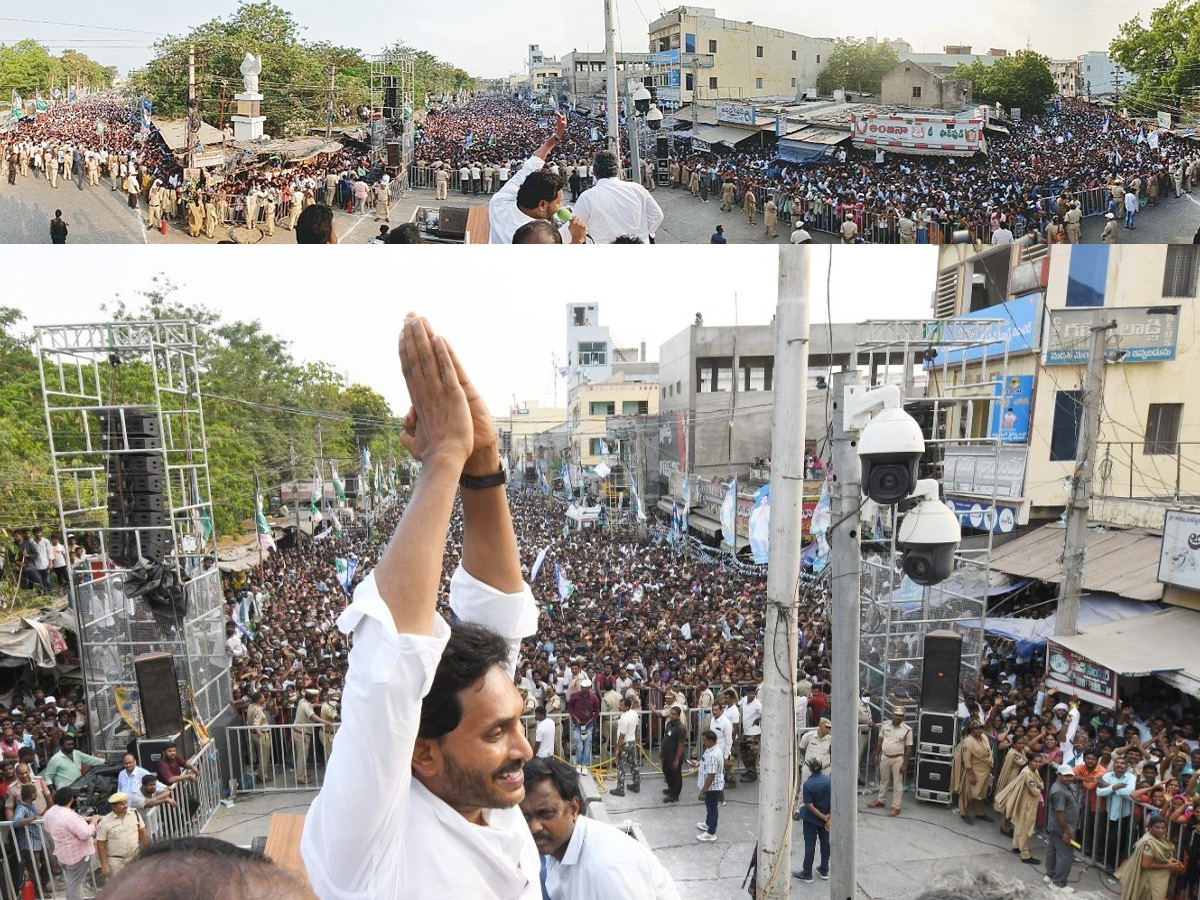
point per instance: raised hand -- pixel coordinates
(440, 416)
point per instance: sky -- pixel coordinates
(489, 39)
(504, 315)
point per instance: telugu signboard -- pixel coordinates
(1015, 326)
(1179, 560)
(982, 471)
(959, 136)
(1142, 334)
(665, 58)
(739, 115)
(1074, 674)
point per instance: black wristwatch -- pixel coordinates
(483, 482)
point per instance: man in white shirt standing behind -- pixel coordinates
(421, 798)
(628, 752)
(543, 735)
(615, 208)
(751, 709)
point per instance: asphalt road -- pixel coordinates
(94, 215)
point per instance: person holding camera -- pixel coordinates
(73, 838)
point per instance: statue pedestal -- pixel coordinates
(248, 122)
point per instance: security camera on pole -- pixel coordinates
(871, 430)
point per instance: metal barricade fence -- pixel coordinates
(270, 758)
(195, 802)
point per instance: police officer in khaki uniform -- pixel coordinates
(306, 714)
(330, 715)
(895, 750)
(260, 736)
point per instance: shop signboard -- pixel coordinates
(918, 132)
(738, 115)
(1075, 674)
(1179, 560)
(1142, 334)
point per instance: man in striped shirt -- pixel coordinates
(711, 774)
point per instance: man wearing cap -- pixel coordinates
(972, 771)
(895, 750)
(329, 716)
(119, 836)
(816, 744)
(1110, 234)
(306, 714)
(1062, 816)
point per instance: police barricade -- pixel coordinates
(1092, 202)
(194, 802)
(271, 758)
(1109, 826)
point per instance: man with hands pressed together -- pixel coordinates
(421, 797)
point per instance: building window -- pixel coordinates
(1068, 415)
(1162, 429)
(580, 316)
(712, 83)
(602, 408)
(679, 387)
(712, 46)
(793, 56)
(1087, 275)
(1183, 263)
(758, 84)
(664, 393)
(758, 51)
(688, 83)
(635, 407)
(714, 374)
(916, 92)
(818, 59)
(988, 274)
(593, 353)
(793, 82)
(755, 373)
(689, 43)
(594, 447)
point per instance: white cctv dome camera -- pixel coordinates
(891, 443)
(928, 536)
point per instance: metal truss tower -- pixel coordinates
(392, 104)
(96, 380)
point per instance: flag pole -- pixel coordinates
(257, 539)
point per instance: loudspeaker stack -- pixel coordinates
(136, 496)
(937, 723)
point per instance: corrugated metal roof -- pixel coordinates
(814, 135)
(724, 134)
(1122, 561)
(1161, 642)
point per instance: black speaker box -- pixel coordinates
(933, 780)
(146, 519)
(158, 688)
(123, 546)
(393, 153)
(936, 733)
(153, 503)
(138, 422)
(144, 484)
(454, 222)
(138, 464)
(939, 678)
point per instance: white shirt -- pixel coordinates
(1002, 236)
(504, 218)
(376, 832)
(723, 729)
(602, 862)
(131, 784)
(627, 726)
(615, 207)
(543, 735)
(751, 716)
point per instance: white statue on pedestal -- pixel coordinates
(251, 68)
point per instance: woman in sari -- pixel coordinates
(1146, 875)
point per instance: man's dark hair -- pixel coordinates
(628, 239)
(566, 779)
(408, 233)
(315, 225)
(201, 868)
(471, 651)
(540, 185)
(605, 165)
(63, 796)
(539, 231)
(709, 735)
(58, 214)
(149, 779)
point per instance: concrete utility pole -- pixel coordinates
(329, 119)
(610, 81)
(777, 765)
(193, 112)
(633, 126)
(1075, 549)
(845, 560)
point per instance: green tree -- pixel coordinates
(1164, 57)
(856, 65)
(1023, 80)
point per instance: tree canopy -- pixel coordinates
(1023, 80)
(260, 403)
(28, 66)
(1164, 57)
(857, 65)
(295, 71)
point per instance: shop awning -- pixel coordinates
(704, 524)
(1119, 561)
(725, 134)
(1162, 643)
(665, 504)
